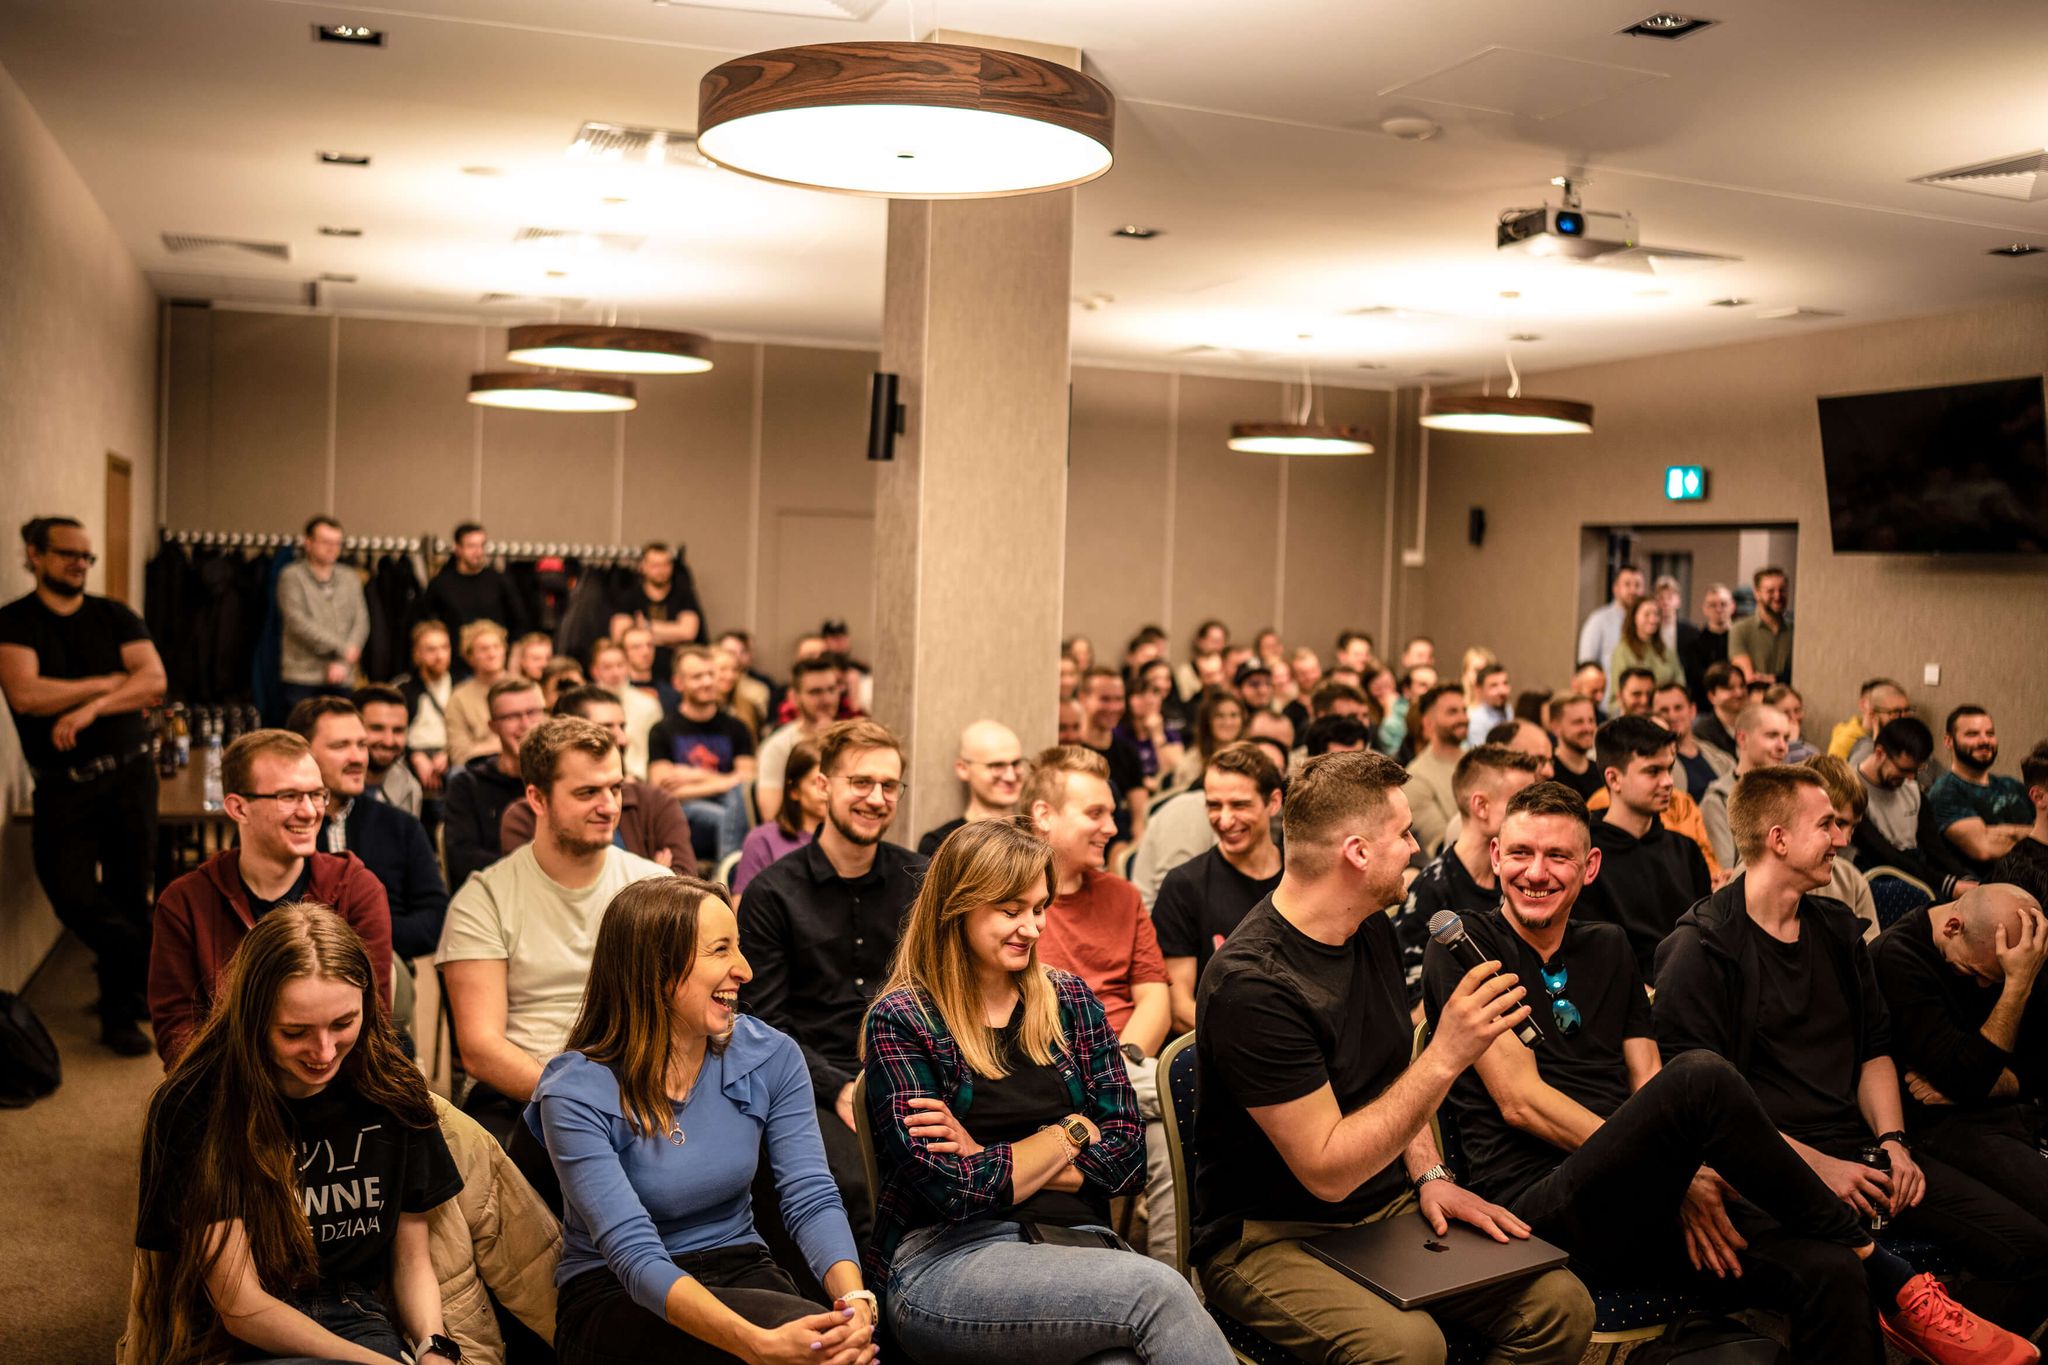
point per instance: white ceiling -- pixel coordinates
(1249, 133)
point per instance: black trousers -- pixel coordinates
(1995, 1144)
(596, 1323)
(842, 1158)
(1614, 1205)
(94, 848)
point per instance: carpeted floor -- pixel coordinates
(67, 1183)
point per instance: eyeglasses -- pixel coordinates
(287, 802)
(868, 786)
(1563, 1012)
(1008, 765)
(85, 557)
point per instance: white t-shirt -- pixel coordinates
(643, 713)
(543, 932)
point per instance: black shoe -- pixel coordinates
(124, 1037)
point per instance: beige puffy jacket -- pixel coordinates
(496, 1233)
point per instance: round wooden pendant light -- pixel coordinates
(552, 392)
(1300, 438)
(1508, 416)
(609, 350)
(906, 120)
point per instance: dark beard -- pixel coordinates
(58, 587)
(1976, 765)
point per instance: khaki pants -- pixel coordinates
(1269, 1283)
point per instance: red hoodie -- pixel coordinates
(202, 917)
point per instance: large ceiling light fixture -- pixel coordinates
(609, 350)
(1513, 415)
(1307, 434)
(546, 392)
(906, 120)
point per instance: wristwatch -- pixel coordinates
(1896, 1135)
(1075, 1128)
(440, 1345)
(1133, 1054)
(1436, 1172)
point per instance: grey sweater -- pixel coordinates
(322, 621)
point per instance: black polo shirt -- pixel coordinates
(820, 947)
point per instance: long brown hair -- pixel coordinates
(803, 761)
(984, 862)
(645, 947)
(1655, 644)
(246, 1168)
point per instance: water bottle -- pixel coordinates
(1878, 1159)
(213, 797)
(181, 731)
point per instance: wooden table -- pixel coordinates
(181, 800)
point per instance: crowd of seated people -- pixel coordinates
(896, 1093)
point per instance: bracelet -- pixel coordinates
(867, 1296)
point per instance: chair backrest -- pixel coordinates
(867, 1140)
(1896, 894)
(1177, 1076)
(723, 876)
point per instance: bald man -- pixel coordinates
(991, 763)
(1969, 1038)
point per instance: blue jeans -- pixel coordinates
(974, 1292)
(718, 824)
(351, 1313)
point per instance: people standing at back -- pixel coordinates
(1642, 646)
(516, 947)
(663, 601)
(1602, 628)
(1201, 901)
(1761, 645)
(990, 763)
(77, 670)
(469, 711)
(1702, 646)
(325, 620)
(468, 589)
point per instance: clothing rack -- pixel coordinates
(429, 544)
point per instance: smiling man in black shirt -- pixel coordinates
(78, 670)
(1203, 899)
(1601, 1149)
(1310, 1116)
(821, 928)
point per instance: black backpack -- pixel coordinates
(1706, 1340)
(29, 1066)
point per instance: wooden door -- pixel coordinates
(115, 545)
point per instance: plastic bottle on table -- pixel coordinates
(213, 797)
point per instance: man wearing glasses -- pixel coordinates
(1634, 1167)
(77, 670)
(278, 802)
(480, 790)
(820, 931)
(991, 763)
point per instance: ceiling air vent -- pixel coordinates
(528, 300)
(625, 144)
(2023, 177)
(569, 240)
(188, 243)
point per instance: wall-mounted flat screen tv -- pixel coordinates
(1955, 470)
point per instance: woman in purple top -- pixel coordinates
(791, 828)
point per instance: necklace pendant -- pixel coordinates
(675, 1137)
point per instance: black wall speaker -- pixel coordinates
(885, 418)
(1475, 526)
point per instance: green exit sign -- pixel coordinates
(1685, 482)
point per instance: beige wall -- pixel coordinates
(78, 327)
(1747, 413)
(757, 467)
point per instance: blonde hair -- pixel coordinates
(1047, 781)
(983, 863)
(476, 630)
(1766, 799)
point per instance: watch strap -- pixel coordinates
(1436, 1172)
(1897, 1135)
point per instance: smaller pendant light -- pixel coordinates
(1301, 436)
(608, 350)
(547, 391)
(1513, 415)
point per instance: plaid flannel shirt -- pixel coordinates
(911, 1056)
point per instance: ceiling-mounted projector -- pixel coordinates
(1573, 232)
(1570, 232)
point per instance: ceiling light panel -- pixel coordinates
(1668, 26)
(2023, 177)
(350, 35)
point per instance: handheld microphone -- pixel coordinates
(1448, 929)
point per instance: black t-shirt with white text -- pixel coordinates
(1279, 1015)
(1200, 903)
(708, 744)
(85, 644)
(1600, 979)
(358, 1167)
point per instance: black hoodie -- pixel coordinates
(1707, 977)
(1644, 884)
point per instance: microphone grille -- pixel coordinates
(1445, 925)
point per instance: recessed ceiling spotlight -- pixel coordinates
(1370, 365)
(343, 159)
(1729, 303)
(558, 274)
(341, 232)
(486, 172)
(355, 35)
(331, 278)
(1525, 336)
(1136, 233)
(2016, 249)
(1511, 293)
(1411, 128)
(1668, 26)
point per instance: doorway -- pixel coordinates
(117, 539)
(1695, 556)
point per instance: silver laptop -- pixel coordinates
(1407, 1264)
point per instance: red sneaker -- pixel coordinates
(1929, 1325)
